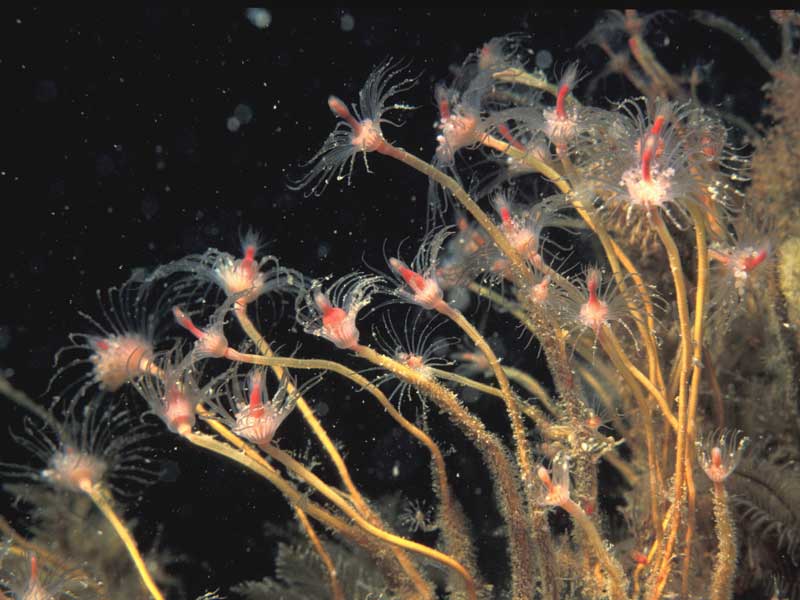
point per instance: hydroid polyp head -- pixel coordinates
(594, 312)
(458, 123)
(75, 470)
(122, 343)
(556, 487)
(331, 313)
(338, 325)
(243, 280)
(211, 342)
(82, 444)
(720, 452)
(419, 283)
(359, 131)
(422, 290)
(659, 165)
(539, 292)
(117, 359)
(596, 301)
(171, 389)
(739, 261)
(562, 123)
(415, 341)
(244, 403)
(366, 135)
(519, 229)
(25, 577)
(258, 421)
(524, 227)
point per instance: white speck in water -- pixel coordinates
(244, 113)
(259, 17)
(348, 22)
(544, 59)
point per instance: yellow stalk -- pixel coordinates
(448, 503)
(679, 280)
(694, 390)
(337, 499)
(329, 447)
(102, 501)
(337, 593)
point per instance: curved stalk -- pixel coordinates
(102, 501)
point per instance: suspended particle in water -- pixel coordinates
(259, 17)
(149, 206)
(544, 59)
(323, 250)
(243, 113)
(347, 22)
(233, 124)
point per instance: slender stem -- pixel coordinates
(530, 160)
(694, 390)
(505, 477)
(610, 344)
(625, 68)
(646, 58)
(102, 501)
(716, 390)
(522, 77)
(616, 256)
(673, 256)
(264, 468)
(337, 593)
(256, 463)
(522, 272)
(301, 471)
(739, 35)
(453, 526)
(698, 331)
(601, 389)
(524, 454)
(614, 347)
(306, 411)
(253, 461)
(615, 573)
(330, 448)
(534, 387)
(535, 414)
(725, 561)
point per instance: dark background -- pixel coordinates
(117, 152)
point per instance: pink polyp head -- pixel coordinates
(558, 490)
(720, 453)
(541, 291)
(257, 425)
(337, 325)
(257, 381)
(593, 312)
(119, 358)
(425, 291)
(367, 137)
(72, 469)
(755, 258)
(242, 278)
(342, 331)
(178, 410)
